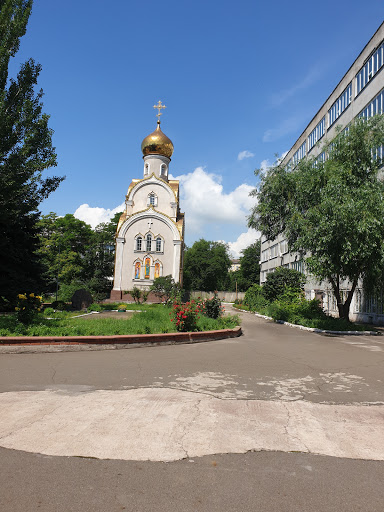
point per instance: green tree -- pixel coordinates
(250, 265)
(25, 152)
(282, 279)
(332, 212)
(100, 258)
(75, 255)
(64, 244)
(165, 288)
(206, 266)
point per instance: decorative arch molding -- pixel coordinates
(153, 180)
(149, 214)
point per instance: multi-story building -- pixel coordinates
(359, 92)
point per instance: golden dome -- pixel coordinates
(157, 143)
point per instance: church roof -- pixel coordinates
(157, 143)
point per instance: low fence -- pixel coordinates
(223, 296)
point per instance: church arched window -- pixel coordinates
(139, 243)
(163, 170)
(157, 270)
(137, 269)
(149, 242)
(159, 244)
(152, 199)
(146, 169)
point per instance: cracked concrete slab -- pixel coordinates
(162, 424)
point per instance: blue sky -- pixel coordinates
(238, 78)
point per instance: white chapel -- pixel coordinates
(150, 232)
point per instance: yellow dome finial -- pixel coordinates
(159, 106)
(157, 143)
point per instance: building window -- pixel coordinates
(283, 247)
(288, 167)
(163, 170)
(146, 169)
(320, 159)
(139, 241)
(137, 270)
(300, 153)
(264, 255)
(375, 107)
(298, 265)
(340, 105)
(147, 268)
(274, 251)
(316, 134)
(371, 67)
(158, 244)
(149, 242)
(152, 199)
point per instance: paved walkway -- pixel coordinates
(275, 388)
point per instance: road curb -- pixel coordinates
(314, 329)
(153, 339)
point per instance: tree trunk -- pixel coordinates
(344, 308)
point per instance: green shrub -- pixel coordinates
(95, 307)
(49, 311)
(66, 291)
(212, 307)
(279, 280)
(254, 298)
(27, 307)
(60, 305)
(185, 316)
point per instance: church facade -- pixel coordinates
(150, 232)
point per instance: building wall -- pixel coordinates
(345, 103)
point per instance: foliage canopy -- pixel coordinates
(206, 266)
(332, 211)
(25, 152)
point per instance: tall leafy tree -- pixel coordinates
(250, 265)
(75, 256)
(25, 152)
(206, 266)
(332, 212)
(64, 244)
(249, 271)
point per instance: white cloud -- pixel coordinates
(285, 128)
(96, 215)
(310, 78)
(243, 241)
(208, 209)
(264, 165)
(205, 203)
(244, 154)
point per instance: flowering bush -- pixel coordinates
(185, 315)
(27, 307)
(212, 307)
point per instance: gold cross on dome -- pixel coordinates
(159, 106)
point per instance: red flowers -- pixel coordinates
(185, 316)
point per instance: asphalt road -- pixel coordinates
(282, 420)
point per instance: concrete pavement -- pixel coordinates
(216, 406)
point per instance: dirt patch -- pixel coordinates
(109, 314)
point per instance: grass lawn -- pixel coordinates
(153, 319)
